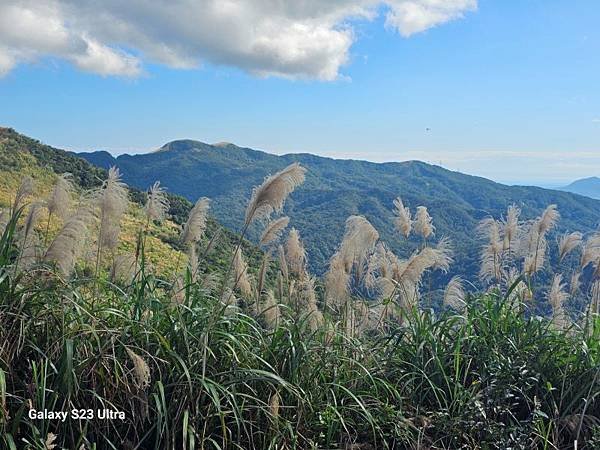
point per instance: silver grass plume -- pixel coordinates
(557, 297)
(311, 309)
(423, 223)
(491, 255)
(535, 240)
(112, 198)
(402, 218)
(510, 229)
(140, 369)
(4, 217)
(273, 230)
(59, 201)
(262, 274)
(242, 281)
(271, 312)
(575, 283)
(196, 223)
(157, 204)
(337, 282)
(68, 244)
(359, 240)
(25, 190)
(295, 253)
(193, 262)
(29, 241)
(442, 254)
(591, 251)
(283, 265)
(270, 196)
(123, 269)
(568, 242)
(454, 294)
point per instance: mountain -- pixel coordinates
(335, 189)
(590, 187)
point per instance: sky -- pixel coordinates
(505, 89)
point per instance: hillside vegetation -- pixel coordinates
(247, 352)
(336, 189)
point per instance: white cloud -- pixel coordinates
(286, 38)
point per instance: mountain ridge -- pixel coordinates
(337, 188)
(589, 187)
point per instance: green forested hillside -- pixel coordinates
(21, 156)
(335, 189)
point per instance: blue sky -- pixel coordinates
(509, 91)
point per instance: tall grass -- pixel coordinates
(291, 362)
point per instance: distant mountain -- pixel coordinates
(335, 189)
(590, 187)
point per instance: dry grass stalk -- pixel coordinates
(271, 312)
(196, 223)
(296, 254)
(59, 201)
(575, 284)
(568, 242)
(402, 219)
(112, 198)
(270, 196)
(511, 229)
(557, 297)
(273, 230)
(309, 300)
(454, 294)
(25, 190)
(68, 244)
(423, 223)
(595, 298)
(337, 283)
(157, 204)
(140, 368)
(283, 265)
(242, 281)
(491, 256)
(123, 269)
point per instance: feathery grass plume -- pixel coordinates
(25, 190)
(240, 270)
(270, 196)
(273, 230)
(157, 204)
(402, 218)
(521, 291)
(274, 405)
(262, 274)
(49, 442)
(423, 224)
(192, 254)
(283, 265)
(510, 228)
(309, 300)
(59, 201)
(454, 294)
(112, 198)
(594, 307)
(359, 240)
(337, 282)
(534, 242)
(123, 269)
(442, 254)
(140, 369)
(29, 241)
(407, 275)
(271, 312)
(556, 297)
(196, 223)
(491, 255)
(68, 244)
(590, 251)
(548, 219)
(568, 242)
(575, 283)
(295, 252)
